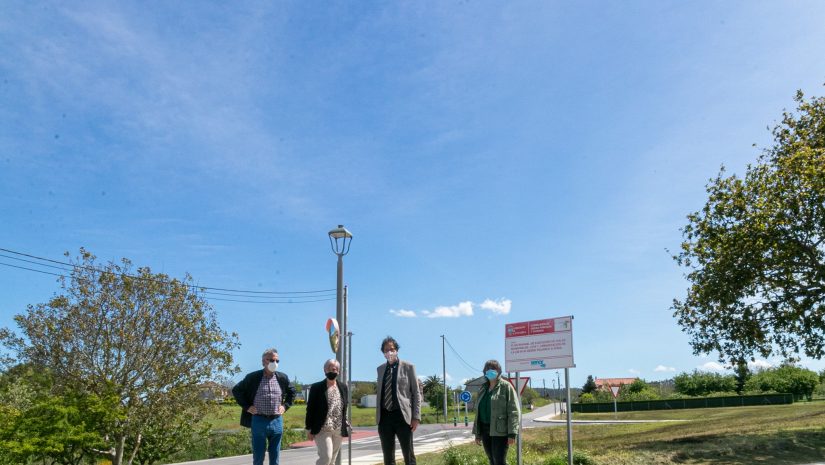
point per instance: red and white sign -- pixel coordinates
(539, 345)
(615, 391)
(523, 382)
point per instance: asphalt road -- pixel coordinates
(367, 450)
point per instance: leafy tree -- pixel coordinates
(595, 396)
(434, 393)
(529, 395)
(755, 253)
(701, 383)
(361, 389)
(145, 339)
(790, 379)
(432, 382)
(586, 398)
(742, 374)
(65, 428)
(638, 390)
(589, 385)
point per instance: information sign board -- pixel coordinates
(539, 345)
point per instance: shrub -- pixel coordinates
(724, 394)
(291, 436)
(218, 444)
(787, 379)
(464, 456)
(700, 383)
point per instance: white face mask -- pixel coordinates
(391, 356)
(272, 366)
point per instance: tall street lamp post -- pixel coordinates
(340, 240)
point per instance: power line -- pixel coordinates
(273, 297)
(273, 302)
(459, 356)
(290, 300)
(31, 269)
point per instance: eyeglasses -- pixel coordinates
(272, 360)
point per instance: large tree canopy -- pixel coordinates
(755, 251)
(147, 340)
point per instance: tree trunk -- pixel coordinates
(120, 443)
(135, 450)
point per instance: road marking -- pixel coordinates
(432, 442)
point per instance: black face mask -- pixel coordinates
(332, 375)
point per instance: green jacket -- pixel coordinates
(505, 415)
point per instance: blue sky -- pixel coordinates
(537, 156)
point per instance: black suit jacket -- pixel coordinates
(244, 393)
(317, 407)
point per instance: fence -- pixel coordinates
(667, 404)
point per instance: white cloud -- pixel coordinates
(660, 368)
(712, 366)
(757, 365)
(500, 307)
(403, 313)
(634, 371)
(453, 311)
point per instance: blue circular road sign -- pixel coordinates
(465, 396)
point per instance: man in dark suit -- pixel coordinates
(264, 396)
(326, 419)
(399, 404)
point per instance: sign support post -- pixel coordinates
(615, 391)
(465, 397)
(541, 345)
(518, 436)
(569, 419)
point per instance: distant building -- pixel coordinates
(211, 390)
(369, 400)
(475, 384)
(604, 384)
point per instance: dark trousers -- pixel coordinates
(392, 425)
(494, 446)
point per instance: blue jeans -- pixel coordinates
(263, 430)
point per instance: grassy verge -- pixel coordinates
(228, 417)
(776, 435)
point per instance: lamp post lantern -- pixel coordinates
(340, 240)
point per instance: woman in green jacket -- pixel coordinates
(497, 415)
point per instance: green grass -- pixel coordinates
(776, 435)
(225, 418)
(228, 417)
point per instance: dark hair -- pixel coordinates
(388, 340)
(492, 364)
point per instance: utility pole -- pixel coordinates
(558, 383)
(444, 374)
